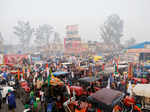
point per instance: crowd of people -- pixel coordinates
(32, 83)
(39, 95)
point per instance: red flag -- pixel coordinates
(130, 70)
(46, 66)
(117, 66)
(29, 70)
(18, 74)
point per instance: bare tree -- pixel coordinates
(56, 43)
(1, 41)
(43, 34)
(112, 30)
(25, 32)
(57, 38)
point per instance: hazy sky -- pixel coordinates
(89, 14)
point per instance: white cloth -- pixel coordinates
(47, 72)
(142, 90)
(42, 95)
(28, 73)
(108, 86)
(72, 74)
(34, 81)
(129, 90)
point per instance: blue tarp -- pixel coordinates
(144, 73)
(140, 45)
(147, 66)
(35, 59)
(59, 73)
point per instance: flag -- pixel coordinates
(28, 72)
(115, 63)
(23, 72)
(18, 74)
(49, 78)
(74, 93)
(115, 67)
(52, 75)
(47, 69)
(46, 66)
(68, 89)
(130, 72)
(108, 85)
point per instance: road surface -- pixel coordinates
(19, 107)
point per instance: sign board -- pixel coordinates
(14, 59)
(72, 29)
(35, 59)
(138, 51)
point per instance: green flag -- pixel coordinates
(116, 71)
(49, 78)
(115, 68)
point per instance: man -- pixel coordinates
(11, 101)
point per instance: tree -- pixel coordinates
(43, 34)
(25, 32)
(57, 38)
(130, 42)
(1, 41)
(112, 30)
(57, 48)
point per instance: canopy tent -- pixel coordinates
(55, 81)
(97, 58)
(142, 90)
(106, 98)
(89, 79)
(59, 73)
(147, 66)
(67, 63)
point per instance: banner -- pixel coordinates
(14, 59)
(72, 29)
(130, 70)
